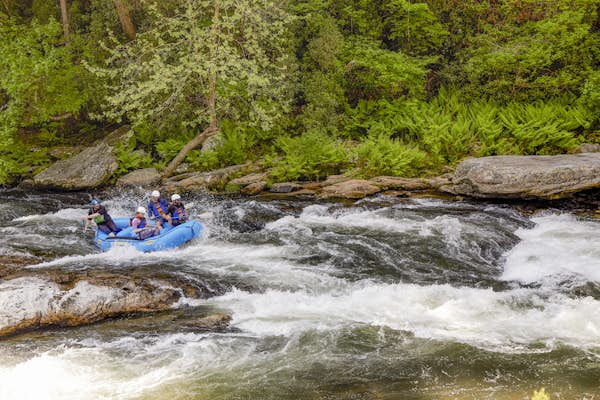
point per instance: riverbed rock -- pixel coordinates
(586, 148)
(87, 170)
(212, 322)
(254, 188)
(398, 183)
(211, 180)
(249, 179)
(352, 189)
(140, 177)
(526, 177)
(30, 302)
(286, 187)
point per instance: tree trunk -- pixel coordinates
(212, 108)
(125, 18)
(64, 13)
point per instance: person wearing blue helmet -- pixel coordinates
(100, 216)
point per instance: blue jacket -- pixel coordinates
(153, 209)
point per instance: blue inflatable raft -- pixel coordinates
(170, 237)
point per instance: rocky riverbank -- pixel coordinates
(499, 177)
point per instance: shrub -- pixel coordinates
(129, 159)
(381, 155)
(233, 146)
(312, 156)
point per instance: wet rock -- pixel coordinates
(31, 303)
(35, 298)
(285, 187)
(352, 189)
(26, 184)
(212, 322)
(254, 188)
(140, 177)
(304, 192)
(13, 263)
(586, 148)
(526, 177)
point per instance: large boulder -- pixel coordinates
(526, 177)
(87, 170)
(352, 189)
(48, 304)
(140, 177)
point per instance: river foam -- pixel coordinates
(560, 248)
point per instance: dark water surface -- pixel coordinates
(385, 299)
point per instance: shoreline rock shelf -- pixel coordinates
(497, 177)
(526, 177)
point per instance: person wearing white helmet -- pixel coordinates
(157, 208)
(140, 226)
(176, 213)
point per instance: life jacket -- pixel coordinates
(159, 207)
(180, 215)
(142, 224)
(99, 220)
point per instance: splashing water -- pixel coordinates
(417, 299)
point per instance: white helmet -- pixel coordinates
(156, 193)
(141, 210)
(175, 197)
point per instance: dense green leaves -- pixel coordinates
(367, 87)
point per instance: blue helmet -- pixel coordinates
(95, 202)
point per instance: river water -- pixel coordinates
(383, 299)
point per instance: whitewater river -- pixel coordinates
(384, 299)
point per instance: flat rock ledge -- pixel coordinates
(32, 299)
(526, 177)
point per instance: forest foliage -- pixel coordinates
(307, 87)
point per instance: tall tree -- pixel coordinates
(206, 60)
(64, 13)
(125, 19)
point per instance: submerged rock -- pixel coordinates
(140, 177)
(526, 177)
(212, 322)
